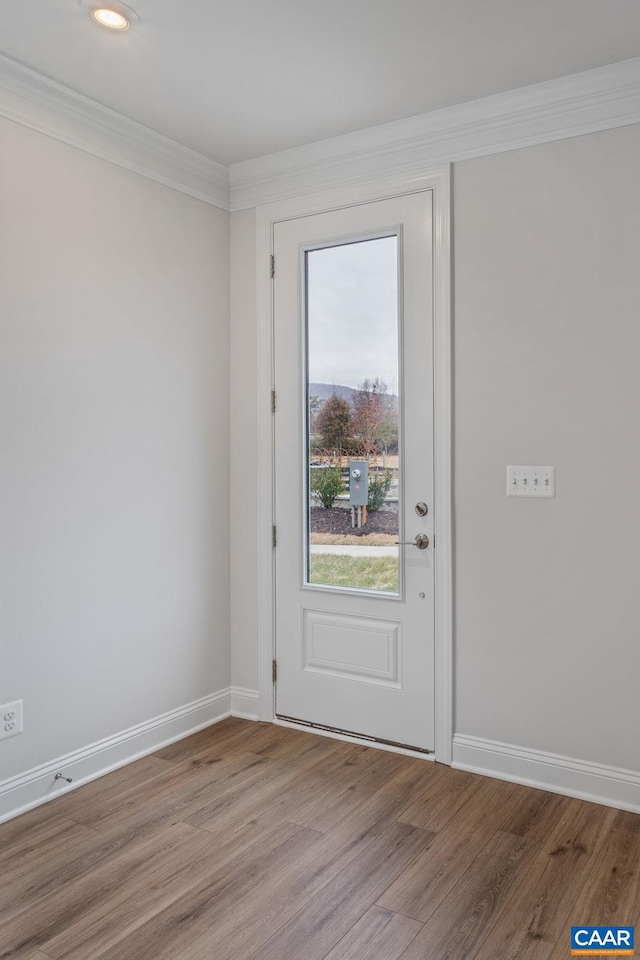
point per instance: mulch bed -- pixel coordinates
(338, 520)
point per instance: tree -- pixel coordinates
(375, 418)
(334, 422)
(315, 406)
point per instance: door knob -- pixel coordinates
(421, 542)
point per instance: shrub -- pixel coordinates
(379, 486)
(326, 485)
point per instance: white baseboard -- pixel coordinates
(36, 786)
(596, 782)
(245, 703)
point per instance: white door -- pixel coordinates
(353, 361)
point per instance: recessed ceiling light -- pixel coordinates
(112, 14)
(110, 18)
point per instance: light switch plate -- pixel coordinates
(531, 482)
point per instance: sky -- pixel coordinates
(353, 313)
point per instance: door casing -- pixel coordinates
(266, 216)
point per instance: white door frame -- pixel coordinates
(438, 181)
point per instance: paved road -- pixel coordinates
(354, 551)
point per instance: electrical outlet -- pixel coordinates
(10, 719)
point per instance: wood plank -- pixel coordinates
(265, 907)
(386, 805)
(203, 741)
(441, 801)
(541, 904)
(334, 801)
(233, 736)
(260, 905)
(222, 810)
(181, 793)
(27, 845)
(314, 897)
(161, 880)
(460, 920)
(305, 752)
(422, 887)
(610, 895)
(625, 820)
(332, 912)
(288, 744)
(28, 827)
(55, 871)
(25, 953)
(378, 935)
(262, 740)
(329, 791)
(487, 806)
(525, 809)
(494, 806)
(104, 812)
(301, 836)
(122, 892)
(36, 924)
(281, 792)
(48, 867)
(133, 777)
(193, 915)
(196, 865)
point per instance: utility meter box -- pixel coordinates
(358, 483)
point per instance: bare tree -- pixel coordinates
(315, 406)
(375, 421)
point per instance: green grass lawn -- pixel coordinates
(370, 573)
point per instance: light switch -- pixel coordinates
(531, 482)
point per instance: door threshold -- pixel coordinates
(349, 737)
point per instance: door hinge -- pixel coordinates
(274, 538)
(272, 266)
(273, 401)
(274, 670)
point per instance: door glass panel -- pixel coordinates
(352, 436)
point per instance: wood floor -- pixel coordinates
(254, 841)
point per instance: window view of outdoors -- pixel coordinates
(352, 393)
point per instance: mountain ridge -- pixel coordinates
(325, 390)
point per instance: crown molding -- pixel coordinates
(41, 104)
(582, 103)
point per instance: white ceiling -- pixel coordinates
(237, 79)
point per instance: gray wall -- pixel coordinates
(114, 433)
(115, 421)
(546, 340)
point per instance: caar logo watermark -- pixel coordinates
(602, 941)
